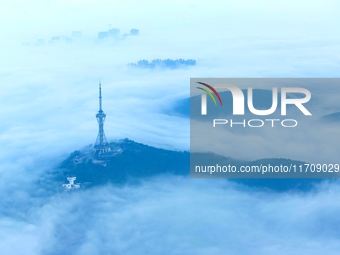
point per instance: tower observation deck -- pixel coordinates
(101, 147)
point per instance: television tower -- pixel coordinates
(101, 147)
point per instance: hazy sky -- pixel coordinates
(198, 18)
(48, 102)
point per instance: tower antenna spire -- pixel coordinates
(101, 147)
(100, 96)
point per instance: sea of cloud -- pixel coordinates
(176, 215)
(49, 98)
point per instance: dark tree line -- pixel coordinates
(164, 63)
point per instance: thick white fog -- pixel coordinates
(49, 98)
(177, 216)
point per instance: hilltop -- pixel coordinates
(132, 162)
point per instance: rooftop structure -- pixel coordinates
(71, 185)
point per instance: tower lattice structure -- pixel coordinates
(101, 147)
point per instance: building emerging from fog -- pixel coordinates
(114, 33)
(134, 31)
(71, 185)
(101, 147)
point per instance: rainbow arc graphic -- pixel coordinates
(211, 93)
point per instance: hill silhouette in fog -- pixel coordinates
(133, 162)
